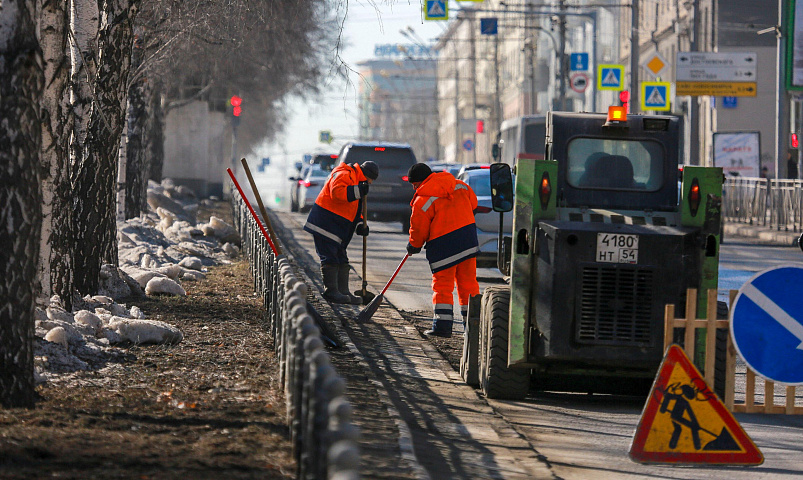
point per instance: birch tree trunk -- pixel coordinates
(84, 22)
(21, 83)
(56, 247)
(95, 185)
(154, 138)
(136, 160)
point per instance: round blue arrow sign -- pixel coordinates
(767, 324)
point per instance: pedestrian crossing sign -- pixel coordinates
(684, 422)
(610, 77)
(436, 10)
(655, 96)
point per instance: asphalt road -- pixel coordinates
(588, 436)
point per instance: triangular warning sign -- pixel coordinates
(685, 422)
(611, 78)
(436, 9)
(655, 97)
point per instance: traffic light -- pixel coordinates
(793, 141)
(236, 102)
(480, 126)
(624, 96)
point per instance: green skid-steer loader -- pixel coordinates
(607, 230)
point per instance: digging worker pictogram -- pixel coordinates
(443, 219)
(334, 219)
(682, 407)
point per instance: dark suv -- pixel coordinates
(390, 195)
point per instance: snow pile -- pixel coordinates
(82, 340)
(166, 244)
(156, 251)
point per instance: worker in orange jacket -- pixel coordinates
(334, 219)
(443, 219)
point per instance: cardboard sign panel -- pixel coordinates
(684, 422)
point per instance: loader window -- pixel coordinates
(598, 163)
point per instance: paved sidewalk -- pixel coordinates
(419, 420)
(759, 234)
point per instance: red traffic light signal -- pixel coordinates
(236, 101)
(236, 111)
(793, 141)
(624, 96)
(480, 126)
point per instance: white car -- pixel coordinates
(309, 186)
(487, 221)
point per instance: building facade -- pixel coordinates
(398, 103)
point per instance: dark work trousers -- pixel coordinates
(329, 251)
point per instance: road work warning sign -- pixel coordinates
(685, 422)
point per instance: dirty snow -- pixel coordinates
(157, 251)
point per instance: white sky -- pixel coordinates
(366, 25)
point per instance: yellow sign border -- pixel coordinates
(621, 69)
(643, 96)
(445, 13)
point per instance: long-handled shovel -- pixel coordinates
(369, 311)
(364, 293)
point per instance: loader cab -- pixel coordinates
(631, 165)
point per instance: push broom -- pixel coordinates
(369, 311)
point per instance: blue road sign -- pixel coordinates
(468, 145)
(489, 26)
(655, 96)
(766, 324)
(578, 62)
(729, 102)
(610, 77)
(436, 10)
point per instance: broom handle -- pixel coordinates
(395, 273)
(364, 246)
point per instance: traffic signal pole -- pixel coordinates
(634, 56)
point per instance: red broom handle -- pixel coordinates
(395, 273)
(267, 237)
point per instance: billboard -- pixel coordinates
(738, 153)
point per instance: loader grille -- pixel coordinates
(615, 306)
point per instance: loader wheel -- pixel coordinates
(721, 352)
(497, 380)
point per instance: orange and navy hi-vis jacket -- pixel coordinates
(337, 208)
(443, 217)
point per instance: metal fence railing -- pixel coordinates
(318, 413)
(777, 204)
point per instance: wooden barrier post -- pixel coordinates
(711, 324)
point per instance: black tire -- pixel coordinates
(721, 352)
(497, 380)
(293, 205)
(721, 349)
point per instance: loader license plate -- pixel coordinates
(617, 248)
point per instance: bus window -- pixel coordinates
(509, 146)
(535, 138)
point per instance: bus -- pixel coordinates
(522, 137)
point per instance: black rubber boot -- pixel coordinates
(441, 327)
(331, 292)
(343, 283)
